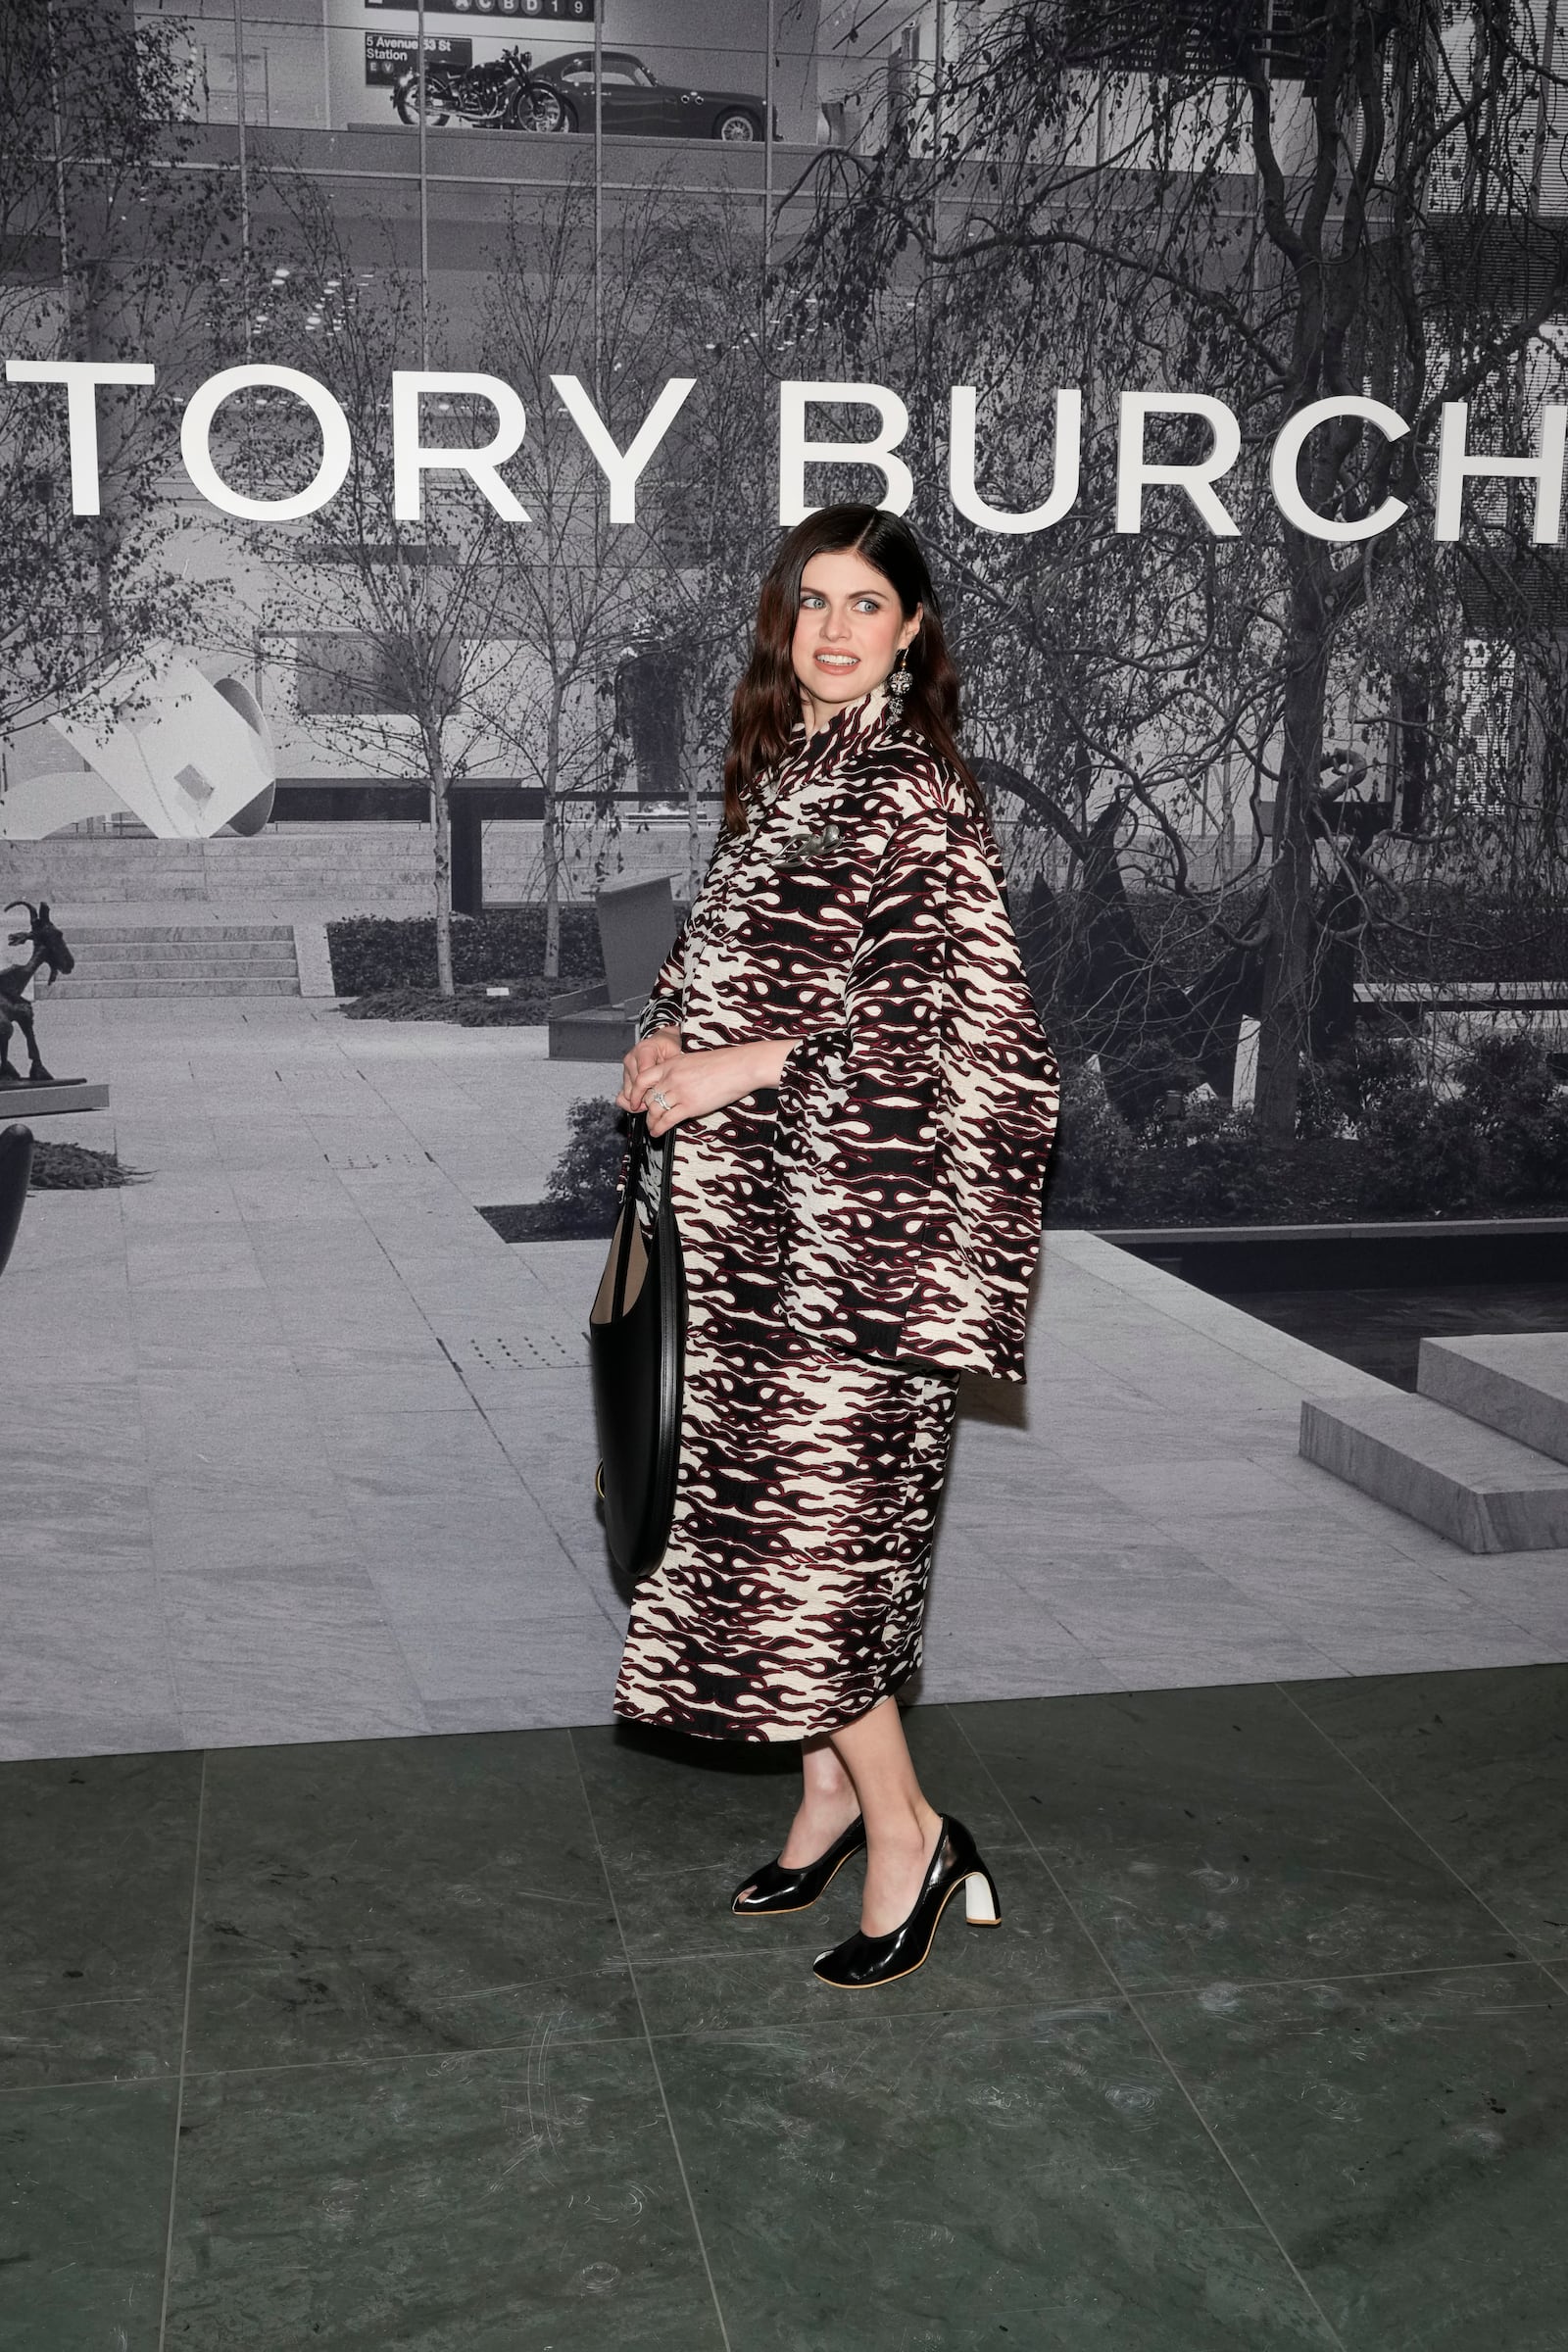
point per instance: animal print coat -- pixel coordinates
(854, 1238)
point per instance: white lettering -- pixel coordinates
(195, 443)
(81, 378)
(412, 460)
(795, 453)
(621, 470)
(1455, 464)
(1133, 468)
(1284, 474)
(1064, 475)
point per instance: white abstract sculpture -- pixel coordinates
(188, 757)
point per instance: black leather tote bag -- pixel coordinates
(636, 1346)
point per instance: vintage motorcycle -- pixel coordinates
(502, 94)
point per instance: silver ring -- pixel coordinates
(662, 1100)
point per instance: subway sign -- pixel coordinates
(540, 12)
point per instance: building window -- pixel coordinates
(1197, 37)
(343, 673)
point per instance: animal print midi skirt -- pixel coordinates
(791, 1594)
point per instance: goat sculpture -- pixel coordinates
(49, 948)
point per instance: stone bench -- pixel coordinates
(637, 926)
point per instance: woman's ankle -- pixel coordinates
(818, 1821)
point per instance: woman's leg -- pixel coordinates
(828, 1804)
(901, 1829)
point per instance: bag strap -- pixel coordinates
(634, 1169)
(666, 1160)
(640, 1148)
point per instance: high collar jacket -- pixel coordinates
(863, 912)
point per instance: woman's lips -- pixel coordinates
(837, 660)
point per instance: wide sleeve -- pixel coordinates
(911, 1141)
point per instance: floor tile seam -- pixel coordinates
(1232, 1599)
(1498, 1632)
(443, 2053)
(33, 2090)
(1447, 1571)
(697, 1871)
(653, 2057)
(1181, 1534)
(1146, 2028)
(1493, 1913)
(184, 2044)
(1066, 2005)
(1225, 1344)
(149, 1489)
(476, 1404)
(362, 1213)
(183, 1705)
(1381, 1519)
(616, 1624)
(1171, 1988)
(851, 2017)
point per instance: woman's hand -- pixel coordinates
(648, 1054)
(692, 1083)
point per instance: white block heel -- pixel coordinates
(861, 1961)
(980, 1907)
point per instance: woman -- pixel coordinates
(863, 1098)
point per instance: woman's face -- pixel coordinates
(847, 631)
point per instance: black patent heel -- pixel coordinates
(862, 1961)
(773, 1890)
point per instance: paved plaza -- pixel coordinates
(298, 1449)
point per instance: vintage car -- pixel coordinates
(637, 105)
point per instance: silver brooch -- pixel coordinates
(798, 846)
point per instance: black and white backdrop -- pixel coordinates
(401, 403)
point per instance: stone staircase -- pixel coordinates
(1480, 1452)
(182, 960)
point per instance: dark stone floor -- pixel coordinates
(450, 2045)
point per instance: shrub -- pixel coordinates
(1509, 1088)
(584, 1180)
(1338, 1088)
(1378, 1064)
(1140, 1078)
(1091, 1163)
(1420, 1155)
(582, 1199)
(527, 1007)
(371, 952)
(1323, 1102)
(1210, 1167)
(77, 1168)
(1527, 1159)
(1506, 1076)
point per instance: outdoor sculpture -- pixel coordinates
(16, 1012)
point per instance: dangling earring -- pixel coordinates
(899, 682)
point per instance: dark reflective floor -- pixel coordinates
(1381, 1330)
(460, 2051)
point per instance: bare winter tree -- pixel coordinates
(118, 247)
(391, 624)
(1280, 206)
(710, 507)
(577, 581)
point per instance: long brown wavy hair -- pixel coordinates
(767, 700)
